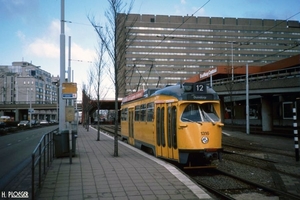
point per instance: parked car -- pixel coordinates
(44, 122)
(34, 122)
(23, 123)
(2, 124)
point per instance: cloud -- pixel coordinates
(43, 48)
(48, 44)
(81, 54)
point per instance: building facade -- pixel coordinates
(163, 50)
(25, 83)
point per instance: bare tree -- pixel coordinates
(87, 92)
(113, 38)
(99, 69)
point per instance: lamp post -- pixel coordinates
(30, 106)
(247, 100)
(62, 103)
(232, 69)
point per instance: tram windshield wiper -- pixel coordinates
(208, 117)
(189, 120)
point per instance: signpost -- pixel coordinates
(69, 91)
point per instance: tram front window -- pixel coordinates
(199, 113)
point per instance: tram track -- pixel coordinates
(262, 163)
(264, 166)
(226, 185)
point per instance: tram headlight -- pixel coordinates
(188, 88)
(204, 140)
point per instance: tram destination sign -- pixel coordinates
(199, 96)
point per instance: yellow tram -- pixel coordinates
(181, 123)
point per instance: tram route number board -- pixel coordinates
(200, 88)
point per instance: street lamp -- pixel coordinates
(234, 42)
(232, 69)
(62, 103)
(30, 106)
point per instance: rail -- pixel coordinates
(42, 157)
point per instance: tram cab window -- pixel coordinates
(209, 112)
(194, 112)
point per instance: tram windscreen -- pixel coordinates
(194, 112)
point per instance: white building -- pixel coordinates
(25, 83)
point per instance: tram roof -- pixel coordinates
(176, 91)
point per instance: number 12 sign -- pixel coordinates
(200, 88)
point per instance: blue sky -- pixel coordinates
(30, 29)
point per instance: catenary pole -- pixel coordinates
(62, 123)
(247, 100)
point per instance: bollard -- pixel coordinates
(296, 135)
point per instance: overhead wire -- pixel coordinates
(209, 57)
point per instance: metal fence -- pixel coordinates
(42, 157)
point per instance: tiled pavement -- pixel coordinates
(96, 174)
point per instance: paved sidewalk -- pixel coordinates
(96, 174)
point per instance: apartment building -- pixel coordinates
(163, 50)
(25, 83)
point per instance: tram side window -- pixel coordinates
(124, 114)
(143, 112)
(150, 111)
(137, 113)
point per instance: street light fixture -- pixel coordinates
(234, 42)
(232, 69)
(30, 106)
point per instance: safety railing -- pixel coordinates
(42, 157)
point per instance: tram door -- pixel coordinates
(171, 139)
(161, 149)
(130, 127)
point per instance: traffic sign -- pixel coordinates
(31, 110)
(69, 90)
(69, 96)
